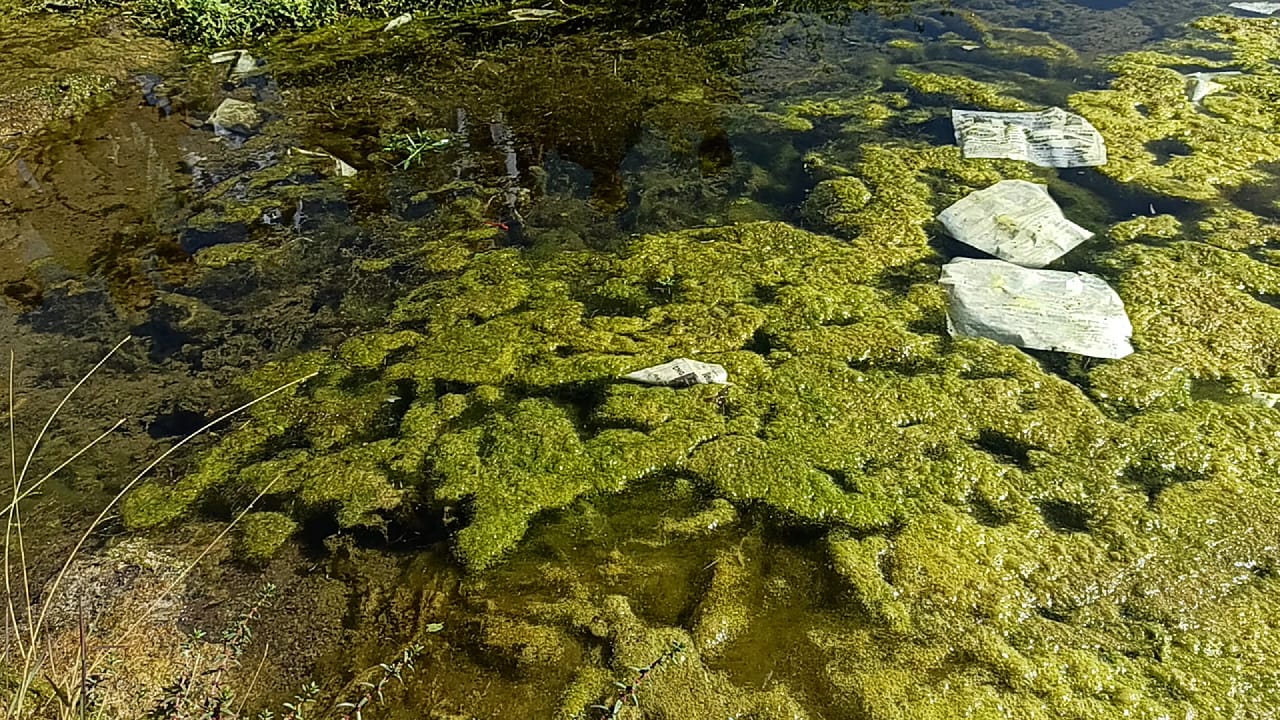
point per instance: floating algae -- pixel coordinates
(1221, 140)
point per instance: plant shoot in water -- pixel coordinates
(372, 691)
(630, 692)
(412, 145)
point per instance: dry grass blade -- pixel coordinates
(10, 610)
(83, 657)
(13, 518)
(30, 661)
(253, 682)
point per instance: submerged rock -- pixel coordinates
(236, 119)
(27, 111)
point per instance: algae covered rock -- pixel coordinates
(55, 69)
(262, 534)
(677, 684)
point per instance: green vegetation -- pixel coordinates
(1157, 138)
(213, 22)
(965, 92)
(410, 146)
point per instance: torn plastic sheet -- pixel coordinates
(397, 21)
(1037, 309)
(1048, 138)
(242, 63)
(1261, 8)
(340, 167)
(1014, 220)
(1201, 85)
(681, 372)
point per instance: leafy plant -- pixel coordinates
(199, 692)
(364, 694)
(373, 691)
(412, 145)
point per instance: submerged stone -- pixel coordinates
(235, 119)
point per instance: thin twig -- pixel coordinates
(254, 681)
(58, 409)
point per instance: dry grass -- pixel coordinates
(53, 664)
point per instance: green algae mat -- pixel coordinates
(873, 520)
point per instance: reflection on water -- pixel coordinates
(469, 229)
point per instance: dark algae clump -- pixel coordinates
(874, 520)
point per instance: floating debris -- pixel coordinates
(397, 21)
(1261, 8)
(681, 372)
(1014, 220)
(530, 14)
(1048, 138)
(1201, 84)
(1037, 309)
(242, 63)
(340, 166)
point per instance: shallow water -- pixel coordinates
(875, 521)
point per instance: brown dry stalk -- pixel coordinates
(29, 648)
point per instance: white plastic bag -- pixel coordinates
(1048, 138)
(1038, 309)
(1014, 220)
